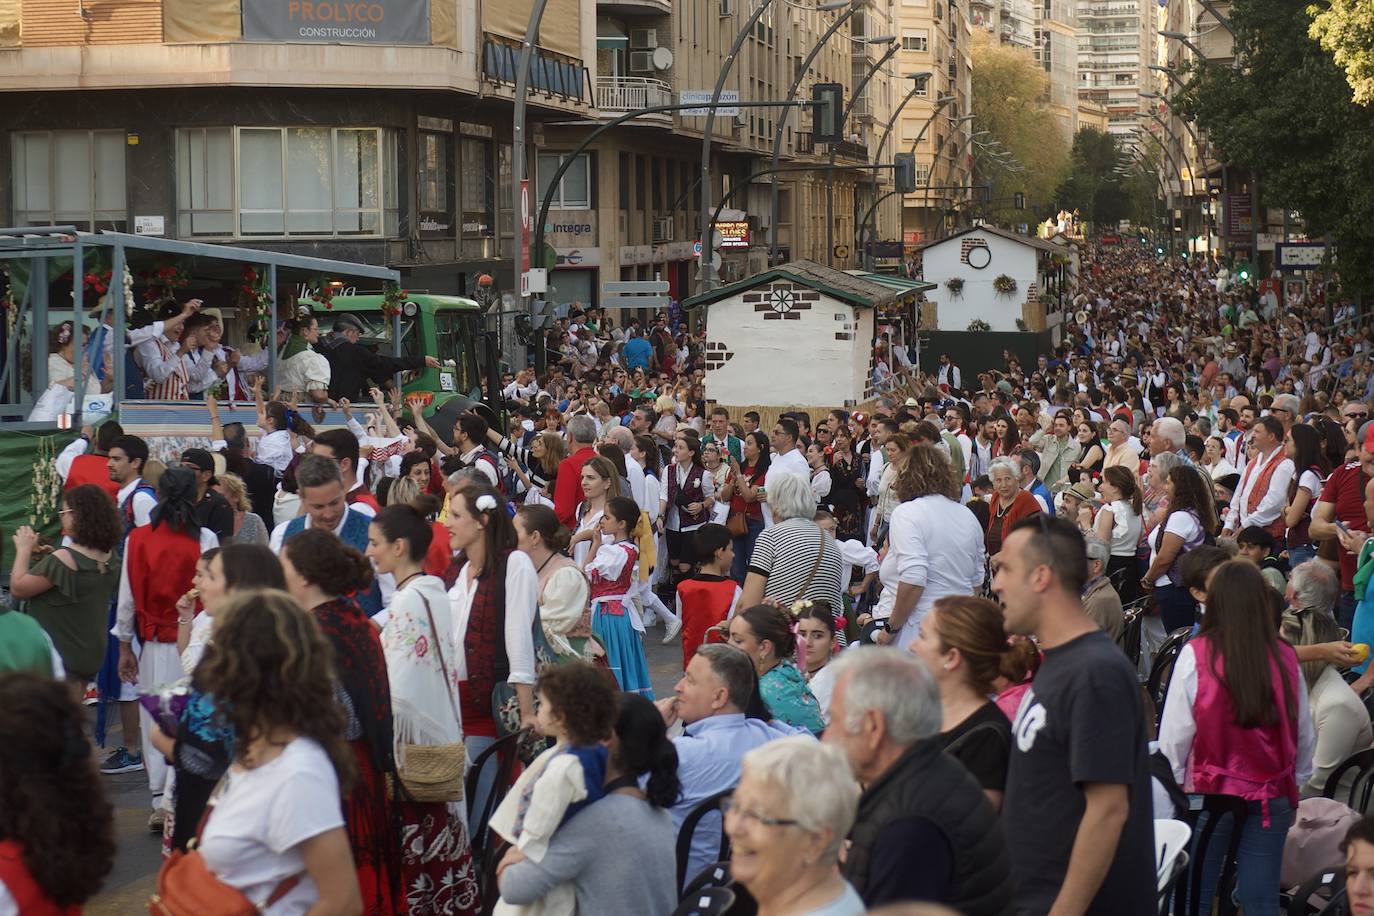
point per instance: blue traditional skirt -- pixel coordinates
(624, 648)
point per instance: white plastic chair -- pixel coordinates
(1172, 839)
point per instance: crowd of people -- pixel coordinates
(308, 639)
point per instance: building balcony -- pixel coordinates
(620, 94)
(634, 8)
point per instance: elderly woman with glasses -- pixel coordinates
(787, 820)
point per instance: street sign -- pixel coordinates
(696, 249)
(535, 280)
(703, 97)
(635, 302)
(644, 287)
(524, 237)
(732, 234)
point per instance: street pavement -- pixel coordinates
(140, 852)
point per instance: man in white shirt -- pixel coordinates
(884, 429)
(787, 459)
(1263, 492)
(470, 438)
(948, 373)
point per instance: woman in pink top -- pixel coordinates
(1236, 723)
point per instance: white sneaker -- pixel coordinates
(674, 628)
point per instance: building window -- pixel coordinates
(574, 188)
(435, 165)
(477, 193)
(305, 181)
(915, 40)
(70, 177)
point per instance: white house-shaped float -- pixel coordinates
(799, 335)
(993, 276)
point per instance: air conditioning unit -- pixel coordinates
(663, 230)
(644, 38)
(727, 7)
(641, 61)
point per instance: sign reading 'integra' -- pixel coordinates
(328, 21)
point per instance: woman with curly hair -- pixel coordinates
(322, 572)
(69, 590)
(275, 830)
(935, 546)
(57, 840)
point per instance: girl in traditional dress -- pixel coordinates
(612, 572)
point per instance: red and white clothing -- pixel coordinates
(76, 468)
(165, 374)
(1263, 492)
(1210, 754)
(158, 567)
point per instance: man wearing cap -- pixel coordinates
(1100, 599)
(351, 365)
(212, 510)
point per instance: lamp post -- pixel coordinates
(919, 83)
(830, 173)
(1184, 40)
(1169, 192)
(1201, 153)
(783, 117)
(707, 271)
(940, 103)
(518, 198)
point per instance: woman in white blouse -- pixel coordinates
(820, 474)
(600, 484)
(562, 587)
(423, 668)
(1118, 523)
(935, 546)
(493, 575)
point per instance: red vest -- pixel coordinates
(28, 896)
(704, 600)
(1261, 487)
(1254, 763)
(94, 469)
(484, 644)
(365, 496)
(162, 563)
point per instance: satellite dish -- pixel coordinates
(662, 58)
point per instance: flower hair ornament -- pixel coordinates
(485, 503)
(64, 333)
(794, 612)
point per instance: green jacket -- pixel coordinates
(23, 644)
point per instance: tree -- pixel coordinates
(1010, 102)
(1346, 30)
(1285, 112)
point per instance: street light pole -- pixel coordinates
(519, 200)
(830, 174)
(920, 82)
(706, 272)
(940, 103)
(802, 69)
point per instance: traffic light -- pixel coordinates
(1018, 200)
(906, 172)
(828, 99)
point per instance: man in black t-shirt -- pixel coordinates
(1077, 812)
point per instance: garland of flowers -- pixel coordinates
(324, 292)
(163, 281)
(256, 291)
(955, 285)
(1004, 285)
(46, 485)
(393, 298)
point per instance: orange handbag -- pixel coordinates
(186, 887)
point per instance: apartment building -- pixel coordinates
(936, 124)
(1056, 49)
(1117, 43)
(1213, 207)
(379, 133)
(388, 139)
(1011, 21)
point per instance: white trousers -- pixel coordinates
(159, 664)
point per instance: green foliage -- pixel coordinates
(1286, 113)
(1010, 102)
(1093, 187)
(1346, 30)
